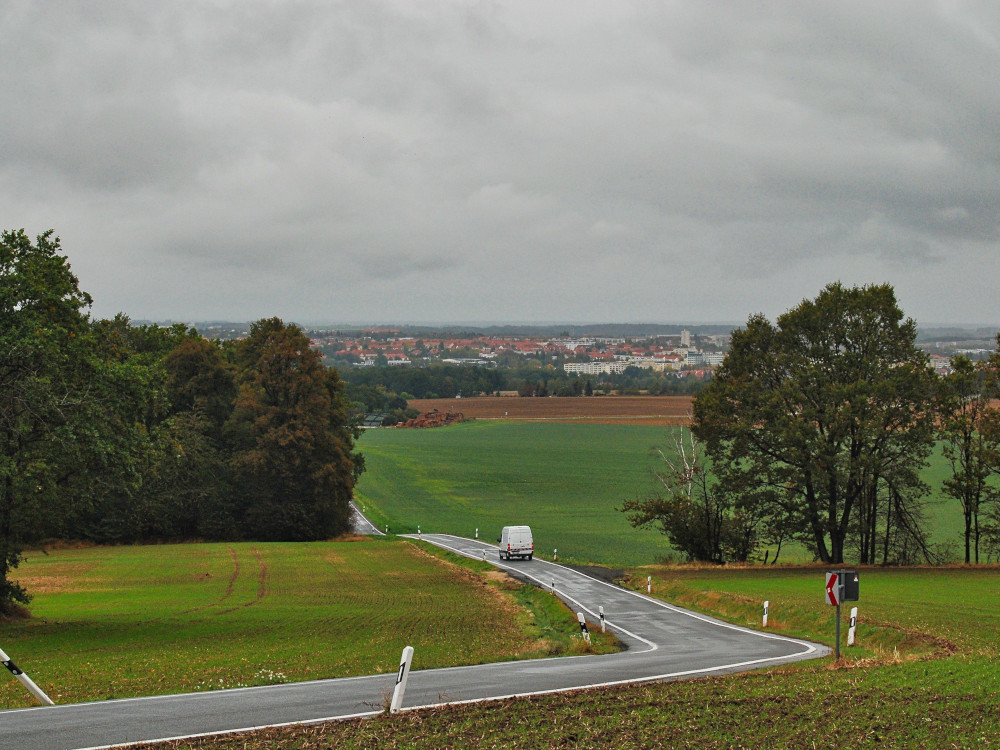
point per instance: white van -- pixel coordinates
(516, 541)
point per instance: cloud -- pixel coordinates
(505, 161)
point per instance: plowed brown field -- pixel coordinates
(652, 410)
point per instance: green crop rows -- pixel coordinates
(127, 621)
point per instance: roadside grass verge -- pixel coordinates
(544, 617)
(132, 621)
(926, 674)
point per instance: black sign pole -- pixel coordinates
(837, 649)
(841, 591)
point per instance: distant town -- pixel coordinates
(693, 351)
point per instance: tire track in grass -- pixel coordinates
(229, 588)
(262, 576)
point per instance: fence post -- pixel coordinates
(404, 672)
(32, 688)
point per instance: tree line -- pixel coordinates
(388, 388)
(816, 428)
(112, 432)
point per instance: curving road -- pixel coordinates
(664, 643)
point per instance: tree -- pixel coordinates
(45, 392)
(189, 489)
(970, 434)
(822, 407)
(200, 381)
(293, 460)
(691, 508)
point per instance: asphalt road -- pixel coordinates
(361, 523)
(664, 643)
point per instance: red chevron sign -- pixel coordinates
(833, 589)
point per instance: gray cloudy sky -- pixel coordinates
(506, 161)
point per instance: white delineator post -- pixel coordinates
(854, 624)
(477, 532)
(418, 529)
(555, 554)
(583, 627)
(404, 672)
(36, 691)
(766, 605)
(604, 628)
(649, 584)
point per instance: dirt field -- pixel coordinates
(652, 410)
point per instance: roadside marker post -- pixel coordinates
(833, 592)
(477, 532)
(484, 555)
(649, 584)
(583, 627)
(603, 625)
(555, 554)
(418, 530)
(404, 672)
(766, 605)
(853, 627)
(553, 586)
(841, 586)
(28, 683)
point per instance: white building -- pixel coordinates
(596, 368)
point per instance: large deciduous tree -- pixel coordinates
(46, 390)
(293, 457)
(969, 426)
(825, 408)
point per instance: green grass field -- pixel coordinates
(926, 674)
(135, 620)
(564, 480)
(129, 621)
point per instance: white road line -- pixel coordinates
(223, 733)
